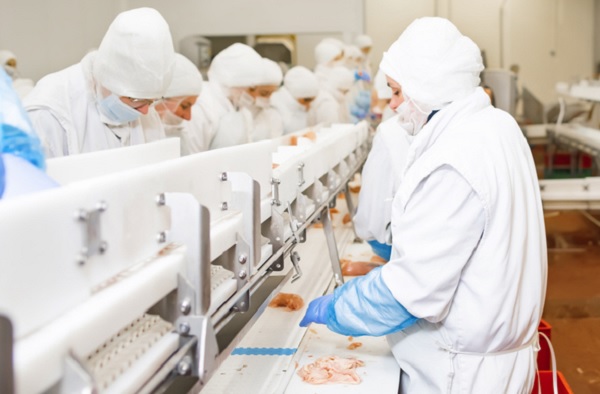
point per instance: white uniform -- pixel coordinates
(267, 124)
(475, 270)
(79, 110)
(381, 176)
(294, 115)
(64, 114)
(325, 109)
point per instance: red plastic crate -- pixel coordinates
(544, 379)
(543, 358)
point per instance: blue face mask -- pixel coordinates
(117, 111)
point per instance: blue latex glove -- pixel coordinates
(366, 306)
(16, 132)
(357, 112)
(382, 250)
(317, 311)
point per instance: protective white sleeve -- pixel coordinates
(195, 132)
(51, 133)
(433, 240)
(373, 213)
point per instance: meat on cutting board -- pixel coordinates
(330, 370)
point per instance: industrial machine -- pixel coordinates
(578, 193)
(145, 271)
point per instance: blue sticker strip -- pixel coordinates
(263, 351)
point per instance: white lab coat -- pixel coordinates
(293, 114)
(63, 111)
(381, 175)
(325, 109)
(192, 133)
(469, 254)
(267, 124)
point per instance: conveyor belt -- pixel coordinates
(265, 361)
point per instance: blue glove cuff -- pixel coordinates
(366, 306)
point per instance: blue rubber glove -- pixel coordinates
(16, 133)
(366, 306)
(318, 311)
(382, 250)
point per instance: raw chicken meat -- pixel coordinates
(331, 369)
(291, 302)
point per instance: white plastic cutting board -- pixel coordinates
(380, 374)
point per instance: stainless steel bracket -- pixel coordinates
(275, 191)
(93, 244)
(332, 247)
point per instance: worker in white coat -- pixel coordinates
(226, 100)
(462, 296)
(329, 53)
(365, 43)
(293, 100)
(380, 178)
(97, 103)
(381, 109)
(267, 121)
(21, 85)
(177, 110)
(338, 85)
(22, 161)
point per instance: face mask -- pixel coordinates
(262, 102)
(117, 111)
(412, 118)
(11, 71)
(245, 100)
(170, 119)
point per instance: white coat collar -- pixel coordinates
(446, 118)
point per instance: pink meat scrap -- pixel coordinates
(331, 369)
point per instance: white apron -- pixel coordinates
(479, 308)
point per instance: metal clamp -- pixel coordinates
(295, 257)
(301, 174)
(275, 191)
(93, 244)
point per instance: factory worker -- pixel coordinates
(340, 81)
(21, 85)
(382, 95)
(97, 103)
(177, 110)
(293, 100)
(365, 43)
(359, 97)
(329, 53)
(381, 176)
(462, 295)
(267, 121)
(226, 99)
(21, 158)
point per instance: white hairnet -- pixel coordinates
(327, 50)
(364, 41)
(301, 82)
(272, 74)
(341, 78)
(6, 56)
(187, 80)
(136, 56)
(433, 62)
(238, 65)
(381, 86)
(353, 52)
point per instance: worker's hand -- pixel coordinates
(317, 311)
